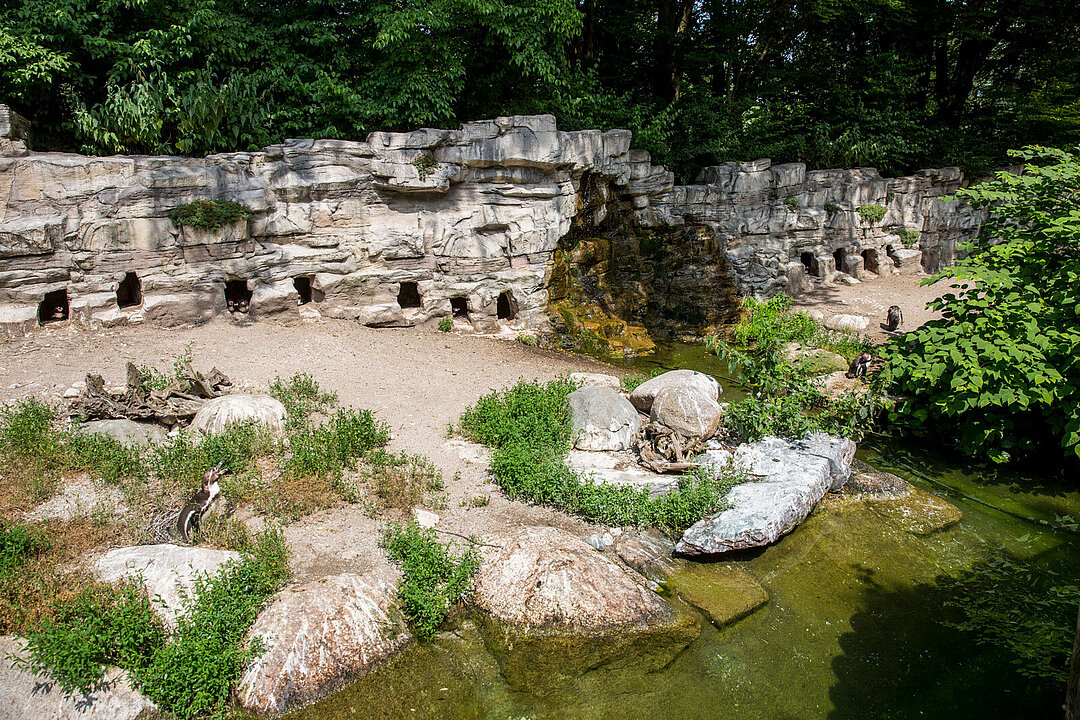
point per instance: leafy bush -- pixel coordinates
(832, 208)
(909, 238)
(999, 374)
(209, 214)
(629, 383)
(1019, 608)
(792, 203)
(446, 324)
(326, 450)
(871, 213)
(301, 396)
(425, 165)
(17, 544)
(186, 457)
(433, 579)
(529, 427)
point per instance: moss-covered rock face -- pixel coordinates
(613, 286)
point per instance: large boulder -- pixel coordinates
(585, 379)
(126, 432)
(167, 572)
(643, 396)
(217, 414)
(687, 410)
(319, 635)
(547, 596)
(26, 696)
(848, 323)
(602, 419)
(790, 477)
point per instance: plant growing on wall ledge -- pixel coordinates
(832, 208)
(425, 165)
(209, 214)
(792, 203)
(909, 237)
(871, 213)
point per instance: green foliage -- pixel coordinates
(998, 374)
(1030, 613)
(18, 543)
(186, 457)
(209, 214)
(188, 672)
(832, 208)
(529, 427)
(162, 379)
(397, 480)
(329, 448)
(433, 578)
(871, 213)
(28, 429)
(630, 382)
(425, 165)
(909, 237)
(446, 324)
(792, 203)
(301, 397)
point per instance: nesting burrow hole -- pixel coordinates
(807, 260)
(307, 290)
(839, 255)
(237, 296)
(505, 307)
(409, 296)
(129, 292)
(53, 307)
(870, 260)
(459, 306)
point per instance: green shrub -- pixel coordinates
(871, 213)
(433, 578)
(425, 165)
(186, 457)
(832, 208)
(162, 379)
(326, 450)
(301, 396)
(209, 214)
(792, 203)
(397, 480)
(19, 543)
(446, 324)
(629, 383)
(529, 427)
(909, 237)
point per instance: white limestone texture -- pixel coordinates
(216, 415)
(644, 394)
(602, 419)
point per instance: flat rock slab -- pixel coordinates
(166, 570)
(725, 594)
(788, 479)
(80, 498)
(619, 469)
(648, 552)
(126, 432)
(25, 696)
(319, 635)
(598, 379)
(917, 511)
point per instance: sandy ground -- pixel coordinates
(872, 298)
(418, 380)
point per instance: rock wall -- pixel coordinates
(378, 232)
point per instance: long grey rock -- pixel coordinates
(320, 634)
(26, 696)
(789, 477)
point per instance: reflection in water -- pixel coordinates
(853, 628)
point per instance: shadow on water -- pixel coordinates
(901, 660)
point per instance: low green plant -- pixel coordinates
(209, 214)
(327, 449)
(396, 480)
(792, 203)
(528, 340)
(529, 427)
(434, 579)
(425, 165)
(871, 213)
(186, 457)
(302, 397)
(446, 324)
(909, 238)
(19, 543)
(162, 379)
(629, 383)
(477, 501)
(832, 208)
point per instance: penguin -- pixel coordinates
(200, 502)
(859, 365)
(895, 318)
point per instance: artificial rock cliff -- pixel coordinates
(502, 223)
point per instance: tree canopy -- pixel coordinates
(895, 84)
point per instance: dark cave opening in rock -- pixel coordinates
(505, 307)
(840, 255)
(306, 289)
(129, 291)
(409, 296)
(53, 307)
(237, 296)
(807, 260)
(870, 260)
(460, 307)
